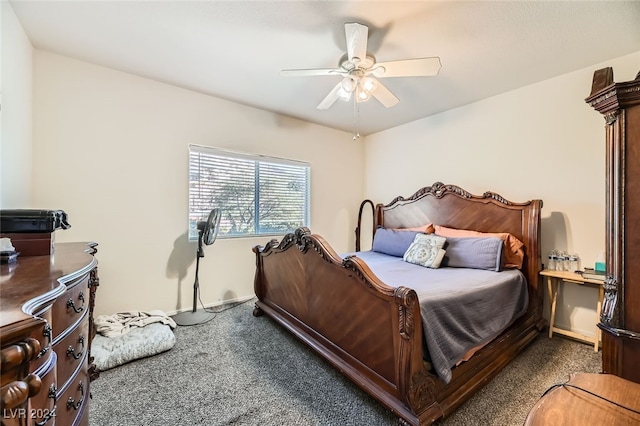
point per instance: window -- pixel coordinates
(257, 195)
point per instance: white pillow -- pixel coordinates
(426, 250)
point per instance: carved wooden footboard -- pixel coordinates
(372, 332)
(369, 331)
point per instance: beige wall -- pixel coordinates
(16, 113)
(111, 149)
(540, 141)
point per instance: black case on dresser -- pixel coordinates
(620, 318)
(26, 220)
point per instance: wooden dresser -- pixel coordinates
(46, 328)
(619, 103)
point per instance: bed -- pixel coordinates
(372, 330)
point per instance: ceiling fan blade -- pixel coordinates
(356, 40)
(330, 98)
(385, 97)
(311, 72)
(420, 67)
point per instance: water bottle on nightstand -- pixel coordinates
(552, 260)
(573, 262)
(560, 261)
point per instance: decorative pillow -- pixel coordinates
(513, 248)
(392, 242)
(426, 250)
(427, 228)
(474, 253)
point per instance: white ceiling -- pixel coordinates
(235, 49)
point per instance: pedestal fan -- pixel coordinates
(207, 232)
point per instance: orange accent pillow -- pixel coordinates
(513, 247)
(427, 229)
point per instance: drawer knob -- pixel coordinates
(72, 305)
(71, 352)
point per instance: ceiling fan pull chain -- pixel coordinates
(356, 118)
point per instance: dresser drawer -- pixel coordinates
(71, 306)
(42, 407)
(74, 399)
(72, 351)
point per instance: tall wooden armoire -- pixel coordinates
(619, 103)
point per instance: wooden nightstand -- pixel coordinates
(553, 280)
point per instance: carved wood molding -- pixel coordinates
(93, 284)
(598, 100)
(274, 244)
(359, 268)
(609, 312)
(349, 263)
(406, 299)
(439, 190)
(304, 242)
(499, 198)
(615, 96)
(611, 117)
(423, 389)
(301, 237)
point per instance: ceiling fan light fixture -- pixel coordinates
(363, 95)
(346, 88)
(348, 84)
(365, 88)
(343, 94)
(368, 84)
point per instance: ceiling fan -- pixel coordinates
(360, 71)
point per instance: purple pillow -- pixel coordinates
(393, 242)
(475, 253)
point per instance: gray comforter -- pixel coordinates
(461, 308)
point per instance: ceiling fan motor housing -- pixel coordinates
(356, 63)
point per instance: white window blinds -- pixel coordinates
(257, 195)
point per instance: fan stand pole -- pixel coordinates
(195, 317)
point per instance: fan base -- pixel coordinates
(364, 64)
(193, 318)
